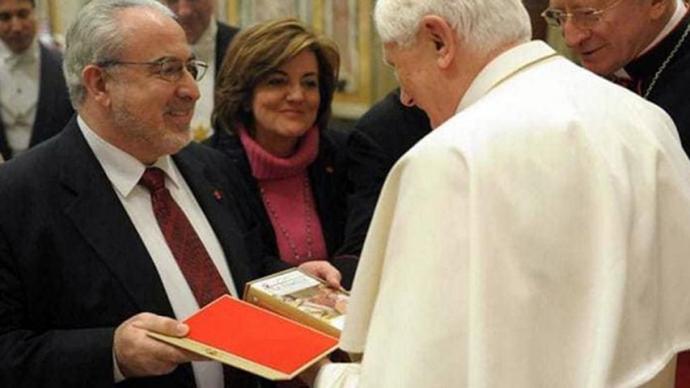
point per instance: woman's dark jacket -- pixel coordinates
(328, 180)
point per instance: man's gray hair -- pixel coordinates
(484, 25)
(97, 36)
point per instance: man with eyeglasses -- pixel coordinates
(34, 104)
(209, 39)
(119, 225)
(642, 44)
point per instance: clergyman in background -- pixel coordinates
(643, 45)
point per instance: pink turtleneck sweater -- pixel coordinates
(288, 198)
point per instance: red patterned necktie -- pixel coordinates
(189, 252)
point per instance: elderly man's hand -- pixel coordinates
(139, 355)
(322, 270)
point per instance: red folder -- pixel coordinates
(247, 337)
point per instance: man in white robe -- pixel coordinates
(538, 237)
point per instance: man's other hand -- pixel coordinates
(139, 355)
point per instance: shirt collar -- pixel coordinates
(676, 18)
(672, 23)
(123, 170)
(503, 67)
(28, 56)
(205, 47)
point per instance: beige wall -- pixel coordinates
(58, 14)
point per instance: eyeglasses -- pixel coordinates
(170, 69)
(584, 18)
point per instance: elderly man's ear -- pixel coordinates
(442, 36)
(95, 82)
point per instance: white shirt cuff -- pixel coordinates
(338, 375)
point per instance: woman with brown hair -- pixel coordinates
(273, 102)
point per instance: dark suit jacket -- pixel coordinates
(223, 39)
(54, 109)
(379, 139)
(328, 179)
(672, 83)
(72, 266)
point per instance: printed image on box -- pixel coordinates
(297, 295)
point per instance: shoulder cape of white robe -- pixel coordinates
(539, 238)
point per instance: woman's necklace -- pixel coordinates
(666, 62)
(306, 202)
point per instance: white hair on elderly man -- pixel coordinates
(97, 36)
(482, 24)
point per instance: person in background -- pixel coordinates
(118, 225)
(274, 98)
(380, 137)
(210, 39)
(643, 45)
(537, 237)
(34, 103)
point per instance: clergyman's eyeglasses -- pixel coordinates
(584, 18)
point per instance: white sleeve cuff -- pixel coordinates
(338, 375)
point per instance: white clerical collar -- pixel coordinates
(205, 46)
(676, 18)
(504, 66)
(123, 170)
(26, 57)
(672, 23)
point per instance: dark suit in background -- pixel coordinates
(53, 109)
(223, 38)
(73, 267)
(379, 139)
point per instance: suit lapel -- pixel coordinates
(46, 93)
(99, 216)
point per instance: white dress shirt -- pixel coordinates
(205, 49)
(124, 172)
(20, 78)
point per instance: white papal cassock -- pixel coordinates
(538, 238)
